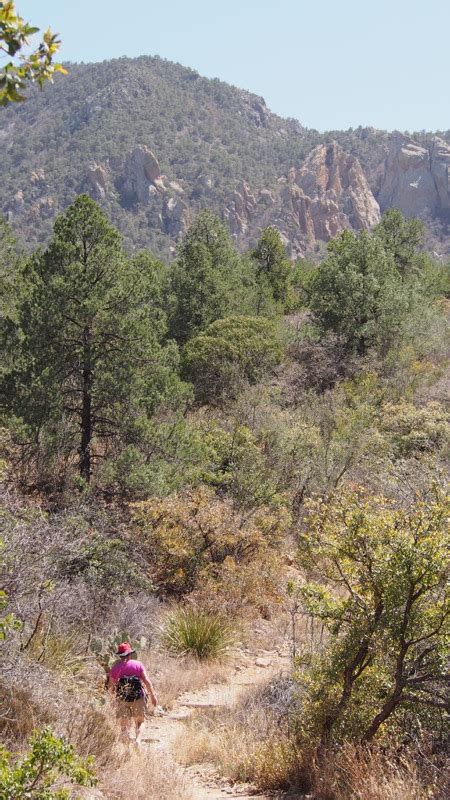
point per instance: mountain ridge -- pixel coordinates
(154, 142)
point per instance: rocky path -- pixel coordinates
(160, 732)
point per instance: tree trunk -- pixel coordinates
(86, 410)
(351, 673)
(390, 706)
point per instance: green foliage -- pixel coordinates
(105, 564)
(202, 277)
(42, 773)
(9, 621)
(94, 363)
(402, 238)
(357, 292)
(378, 584)
(229, 352)
(273, 270)
(37, 66)
(192, 632)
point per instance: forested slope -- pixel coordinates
(211, 145)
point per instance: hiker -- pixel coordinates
(130, 685)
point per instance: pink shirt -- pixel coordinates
(126, 668)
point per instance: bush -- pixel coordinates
(381, 592)
(194, 632)
(194, 539)
(229, 353)
(39, 775)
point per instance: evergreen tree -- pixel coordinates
(92, 330)
(204, 277)
(402, 238)
(273, 269)
(10, 290)
(358, 293)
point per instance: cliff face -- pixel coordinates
(326, 195)
(417, 178)
(154, 143)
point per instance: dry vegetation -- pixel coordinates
(296, 502)
(145, 775)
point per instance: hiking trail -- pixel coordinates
(160, 732)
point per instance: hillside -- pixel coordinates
(154, 143)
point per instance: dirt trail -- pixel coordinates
(160, 732)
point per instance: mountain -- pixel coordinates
(154, 143)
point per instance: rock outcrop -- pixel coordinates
(324, 196)
(416, 178)
(239, 211)
(440, 169)
(174, 216)
(141, 176)
(97, 181)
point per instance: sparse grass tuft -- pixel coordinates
(189, 631)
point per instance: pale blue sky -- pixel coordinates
(329, 64)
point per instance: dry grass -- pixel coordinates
(353, 773)
(249, 742)
(173, 677)
(21, 713)
(144, 775)
(93, 730)
(253, 742)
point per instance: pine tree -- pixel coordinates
(204, 277)
(92, 333)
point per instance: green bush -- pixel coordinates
(41, 773)
(230, 353)
(193, 632)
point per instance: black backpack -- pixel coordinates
(129, 688)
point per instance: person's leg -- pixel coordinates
(139, 715)
(124, 716)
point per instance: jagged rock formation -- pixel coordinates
(327, 194)
(174, 216)
(241, 209)
(416, 178)
(440, 170)
(324, 196)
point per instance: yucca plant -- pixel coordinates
(189, 631)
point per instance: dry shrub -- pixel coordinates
(249, 742)
(353, 773)
(145, 775)
(92, 730)
(173, 677)
(196, 541)
(21, 713)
